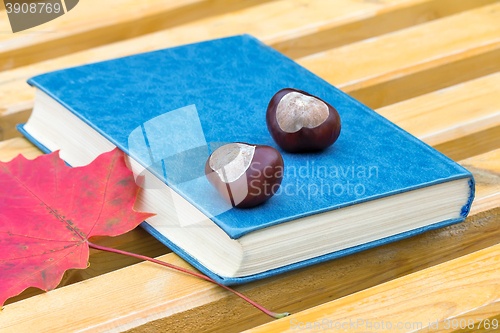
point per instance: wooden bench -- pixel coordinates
(430, 66)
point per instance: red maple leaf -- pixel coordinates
(48, 211)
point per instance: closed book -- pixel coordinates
(169, 109)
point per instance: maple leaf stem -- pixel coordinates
(201, 276)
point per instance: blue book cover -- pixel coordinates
(169, 109)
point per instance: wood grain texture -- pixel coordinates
(416, 298)
(136, 241)
(473, 144)
(451, 113)
(407, 63)
(397, 17)
(273, 21)
(314, 286)
(189, 301)
(486, 170)
(315, 25)
(8, 123)
(11, 148)
(456, 69)
(87, 303)
(483, 317)
(93, 23)
(460, 121)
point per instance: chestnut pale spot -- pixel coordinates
(296, 110)
(231, 161)
(247, 174)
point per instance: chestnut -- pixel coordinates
(300, 122)
(245, 175)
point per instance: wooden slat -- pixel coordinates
(121, 289)
(8, 122)
(414, 61)
(460, 121)
(93, 23)
(184, 300)
(486, 170)
(137, 241)
(472, 144)
(487, 313)
(422, 297)
(269, 19)
(11, 148)
(278, 23)
(321, 37)
(318, 17)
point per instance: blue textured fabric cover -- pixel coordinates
(188, 100)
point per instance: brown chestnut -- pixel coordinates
(245, 175)
(299, 121)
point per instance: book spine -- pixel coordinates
(466, 209)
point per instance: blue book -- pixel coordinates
(169, 109)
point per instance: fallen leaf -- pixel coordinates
(48, 211)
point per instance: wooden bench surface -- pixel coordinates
(430, 66)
